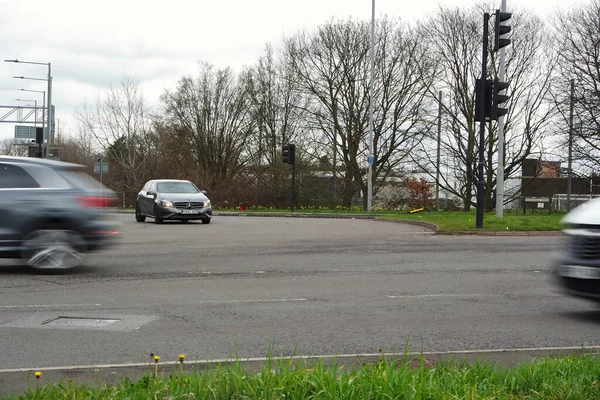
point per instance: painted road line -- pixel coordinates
(250, 301)
(52, 305)
(419, 296)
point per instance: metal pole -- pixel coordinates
(43, 119)
(49, 123)
(481, 182)
(100, 170)
(500, 172)
(570, 161)
(371, 160)
(439, 141)
(293, 184)
(35, 122)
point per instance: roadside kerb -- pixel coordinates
(433, 227)
(14, 381)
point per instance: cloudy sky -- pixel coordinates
(92, 45)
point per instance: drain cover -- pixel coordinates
(84, 322)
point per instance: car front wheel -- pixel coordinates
(206, 221)
(138, 215)
(157, 218)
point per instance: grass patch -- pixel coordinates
(570, 377)
(465, 221)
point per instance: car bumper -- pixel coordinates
(101, 234)
(579, 278)
(170, 214)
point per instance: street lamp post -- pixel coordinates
(49, 79)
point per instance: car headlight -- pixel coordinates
(167, 204)
(207, 203)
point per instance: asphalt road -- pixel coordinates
(252, 286)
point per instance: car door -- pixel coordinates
(146, 202)
(17, 203)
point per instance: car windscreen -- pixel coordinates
(176, 187)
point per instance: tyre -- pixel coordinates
(53, 249)
(157, 218)
(138, 216)
(206, 221)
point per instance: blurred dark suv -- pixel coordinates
(52, 212)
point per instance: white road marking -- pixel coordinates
(417, 296)
(250, 301)
(53, 305)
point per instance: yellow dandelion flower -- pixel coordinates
(38, 374)
(181, 357)
(156, 359)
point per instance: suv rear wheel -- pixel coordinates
(53, 249)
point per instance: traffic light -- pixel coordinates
(500, 30)
(39, 135)
(486, 101)
(289, 153)
(498, 99)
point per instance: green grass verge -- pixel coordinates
(571, 377)
(465, 221)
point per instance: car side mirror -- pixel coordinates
(204, 192)
(151, 194)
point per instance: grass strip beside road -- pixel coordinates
(465, 221)
(569, 377)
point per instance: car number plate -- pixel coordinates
(189, 211)
(579, 271)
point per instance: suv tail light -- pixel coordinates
(96, 202)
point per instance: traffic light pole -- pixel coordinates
(500, 171)
(293, 185)
(481, 181)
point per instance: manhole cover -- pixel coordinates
(78, 321)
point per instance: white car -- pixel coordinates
(578, 268)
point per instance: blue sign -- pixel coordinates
(371, 160)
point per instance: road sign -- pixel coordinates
(97, 169)
(26, 133)
(371, 160)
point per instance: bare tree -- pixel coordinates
(214, 111)
(578, 49)
(332, 65)
(276, 104)
(119, 121)
(9, 147)
(455, 36)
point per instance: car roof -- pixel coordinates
(40, 161)
(169, 180)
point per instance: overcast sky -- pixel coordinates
(92, 45)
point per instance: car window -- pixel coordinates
(81, 179)
(147, 186)
(176, 187)
(13, 177)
